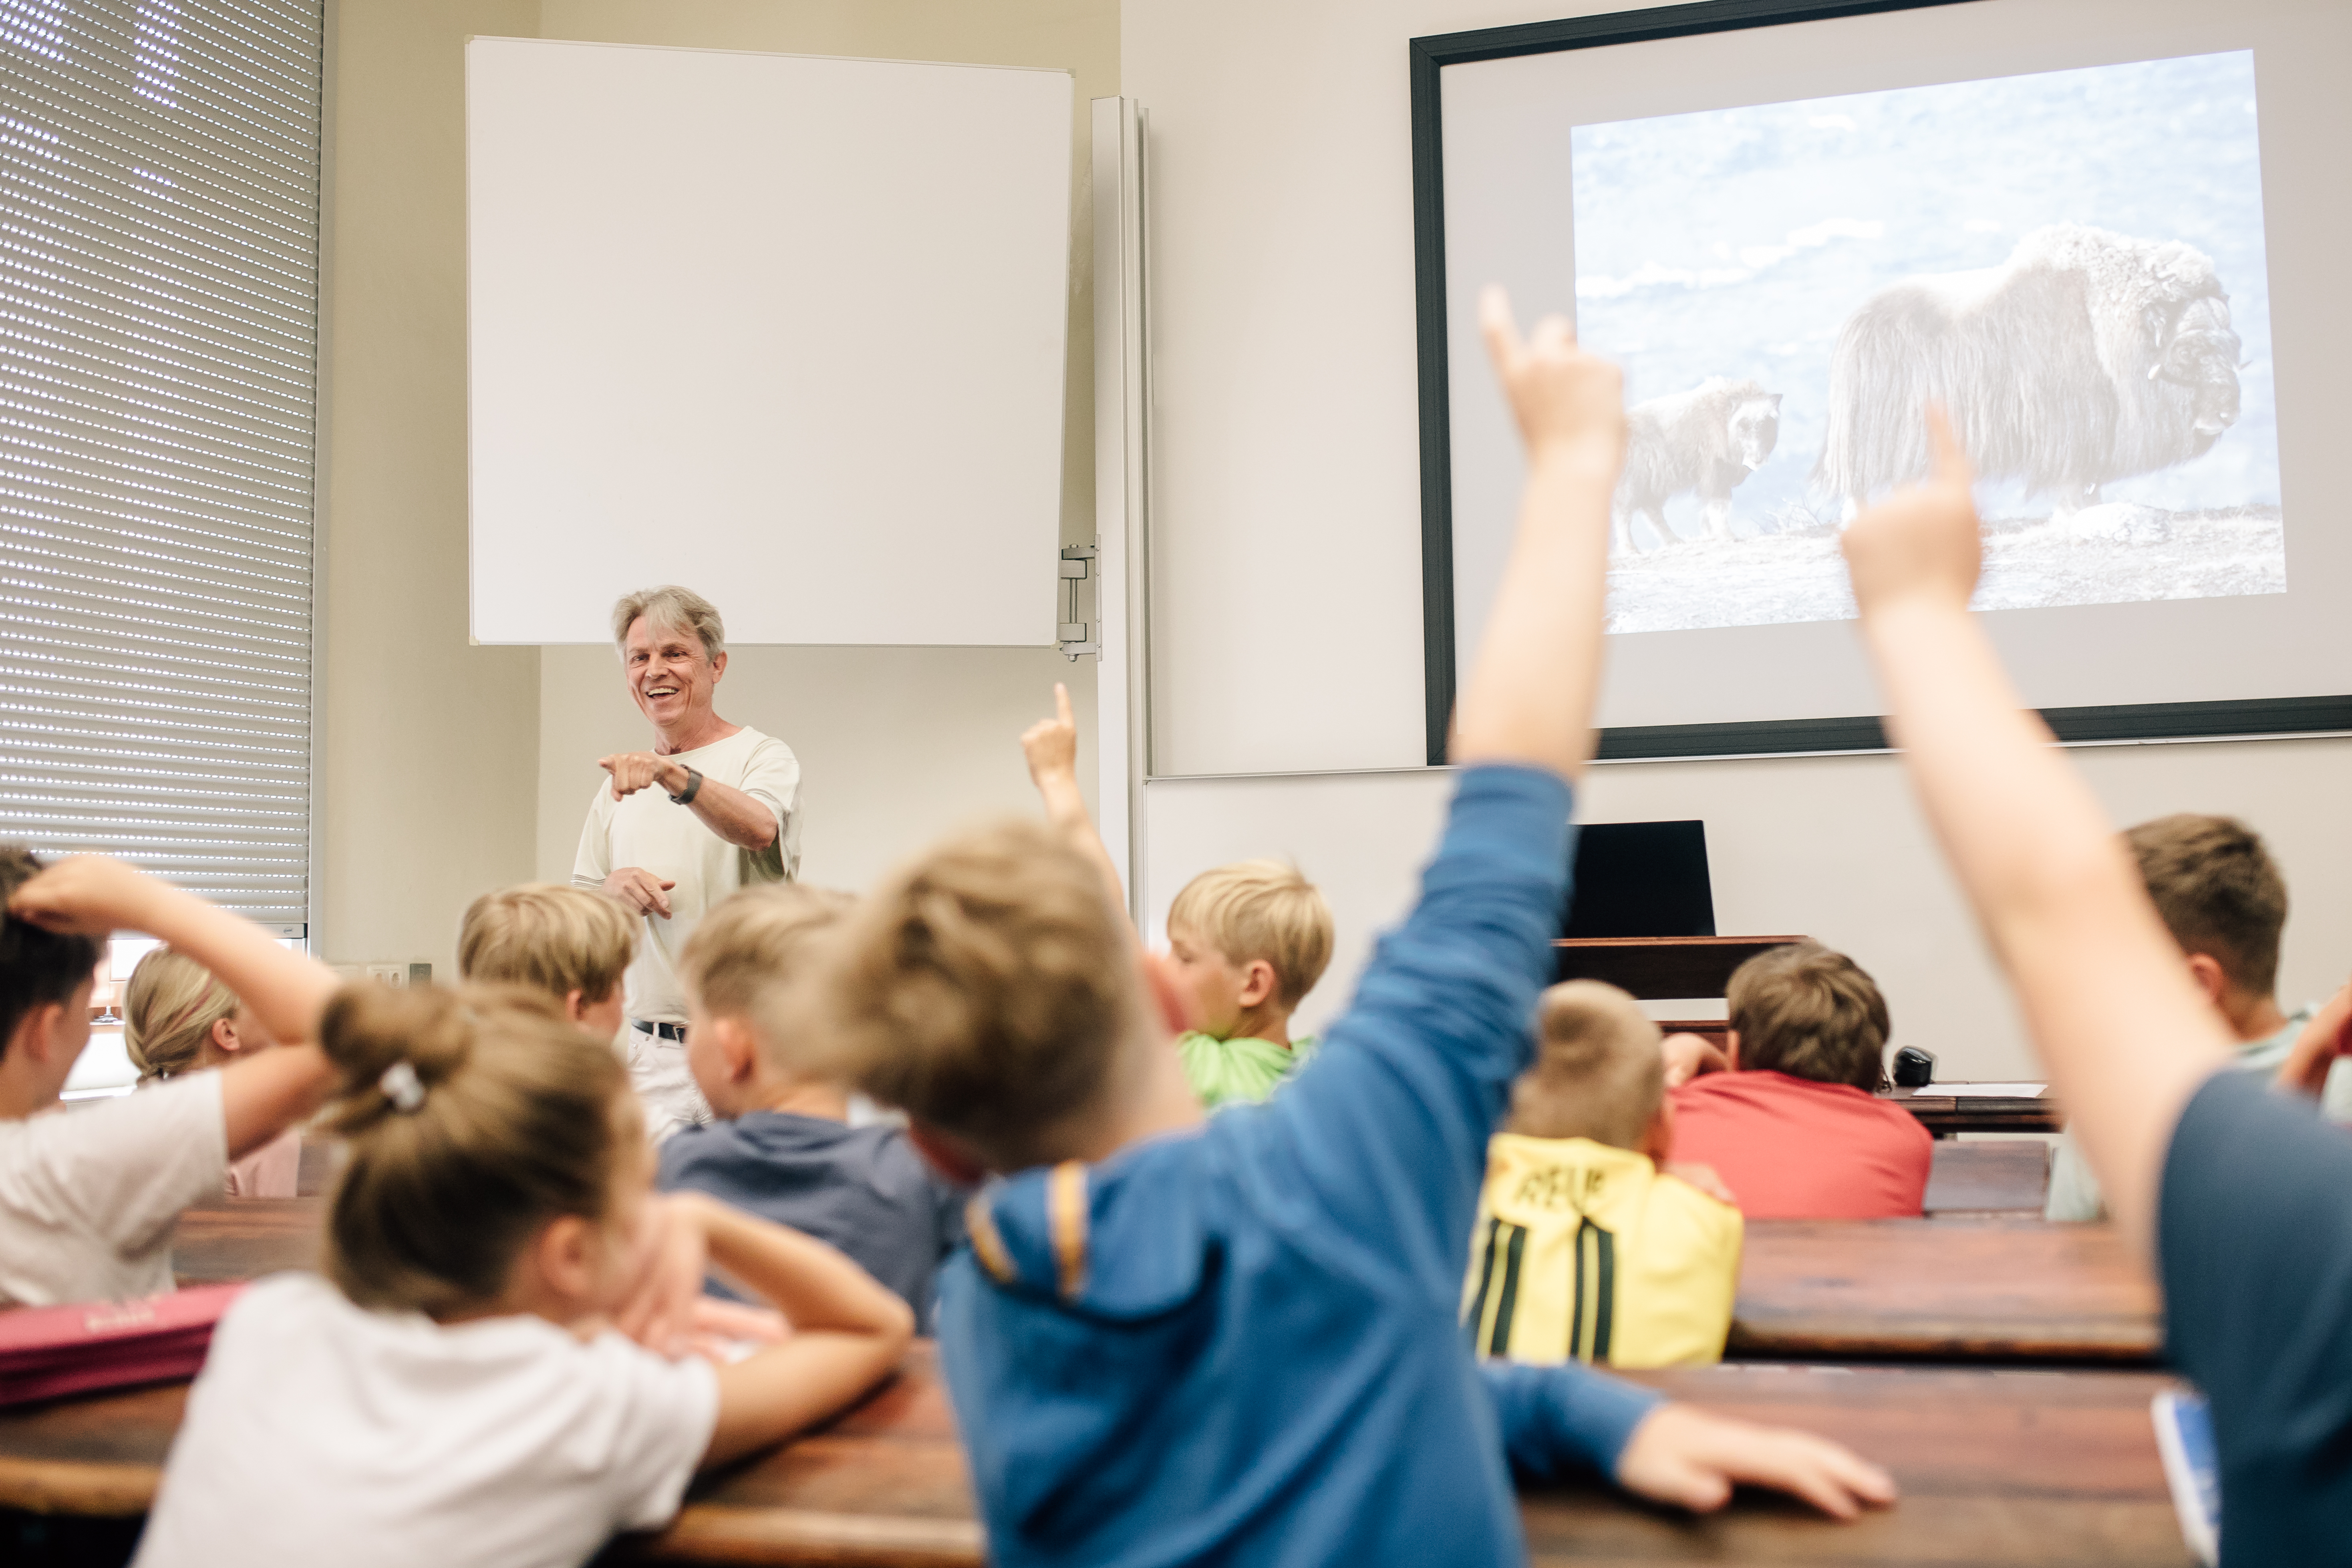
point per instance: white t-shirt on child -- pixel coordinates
(321, 1432)
(89, 1195)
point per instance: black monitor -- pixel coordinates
(1639, 879)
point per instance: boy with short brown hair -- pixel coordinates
(781, 1146)
(1585, 1249)
(1249, 941)
(2219, 892)
(1796, 1130)
(1233, 1339)
(567, 942)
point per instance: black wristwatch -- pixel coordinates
(693, 787)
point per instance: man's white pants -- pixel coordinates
(665, 1087)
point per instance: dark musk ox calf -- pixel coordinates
(2084, 358)
(1707, 439)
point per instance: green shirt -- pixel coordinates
(1247, 1069)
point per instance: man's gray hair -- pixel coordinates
(680, 609)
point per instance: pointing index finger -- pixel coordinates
(1494, 321)
(1951, 461)
(1062, 703)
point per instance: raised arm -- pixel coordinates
(2122, 1031)
(1529, 695)
(264, 1095)
(1051, 746)
(1388, 1127)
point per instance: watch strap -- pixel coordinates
(693, 787)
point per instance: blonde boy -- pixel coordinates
(781, 1146)
(1233, 1339)
(567, 942)
(1249, 941)
(1584, 1249)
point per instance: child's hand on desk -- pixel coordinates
(1922, 543)
(2325, 1037)
(1691, 1460)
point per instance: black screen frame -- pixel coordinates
(1428, 57)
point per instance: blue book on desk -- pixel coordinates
(2192, 1467)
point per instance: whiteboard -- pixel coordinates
(788, 331)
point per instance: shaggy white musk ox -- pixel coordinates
(2084, 358)
(1707, 439)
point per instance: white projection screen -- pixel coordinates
(2108, 235)
(787, 331)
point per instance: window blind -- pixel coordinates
(158, 260)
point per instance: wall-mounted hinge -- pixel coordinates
(1078, 637)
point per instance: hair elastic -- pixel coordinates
(401, 1085)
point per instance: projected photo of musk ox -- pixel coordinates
(2070, 263)
(1705, 440)
(2086, 358)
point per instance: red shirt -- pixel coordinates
(1791, 1149)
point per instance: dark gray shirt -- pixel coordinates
(862, 1189)
(2254, 1244)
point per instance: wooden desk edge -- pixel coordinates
(719, 1532)
(89, 1490)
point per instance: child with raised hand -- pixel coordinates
(2237, 1194)
(456, 1389)
(89, 1200)
(1177, 1338)
(177, 1018)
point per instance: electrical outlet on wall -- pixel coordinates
(389, 974)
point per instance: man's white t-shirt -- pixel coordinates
(89, 1195)
(320, 1432)
(648, 830)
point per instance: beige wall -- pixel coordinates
(431, 783)
(428, 752)
(896, 744)
(1287, 552)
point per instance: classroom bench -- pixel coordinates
(1997, 1467)
(1975, 1289)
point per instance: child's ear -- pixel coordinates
(575, 1004)
(2206, 969)
(1174, 1006)
(947, 1155)
(1257, 983)
(564, 1255)
(737, 1047)
(224, 1035)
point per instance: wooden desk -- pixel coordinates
(2011, 1177)
(1942, 1289)
(1945, 1114)
(1997, 1469)
(1656, 967)
(241, 1239)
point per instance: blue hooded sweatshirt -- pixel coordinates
(1239, 1343)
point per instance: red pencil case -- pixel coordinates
(47, 1352)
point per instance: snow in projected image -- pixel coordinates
(2071, 262)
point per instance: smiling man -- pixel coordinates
(713, 807)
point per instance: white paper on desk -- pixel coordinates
(1985, 1091)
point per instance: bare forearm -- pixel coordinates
(742, 820)
(1065, 809)
(1529, 695)
(816, 1287)
(2122, 1029)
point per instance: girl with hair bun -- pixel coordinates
(178, 1018)
(469, 1382)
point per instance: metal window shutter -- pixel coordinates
(159, 264)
